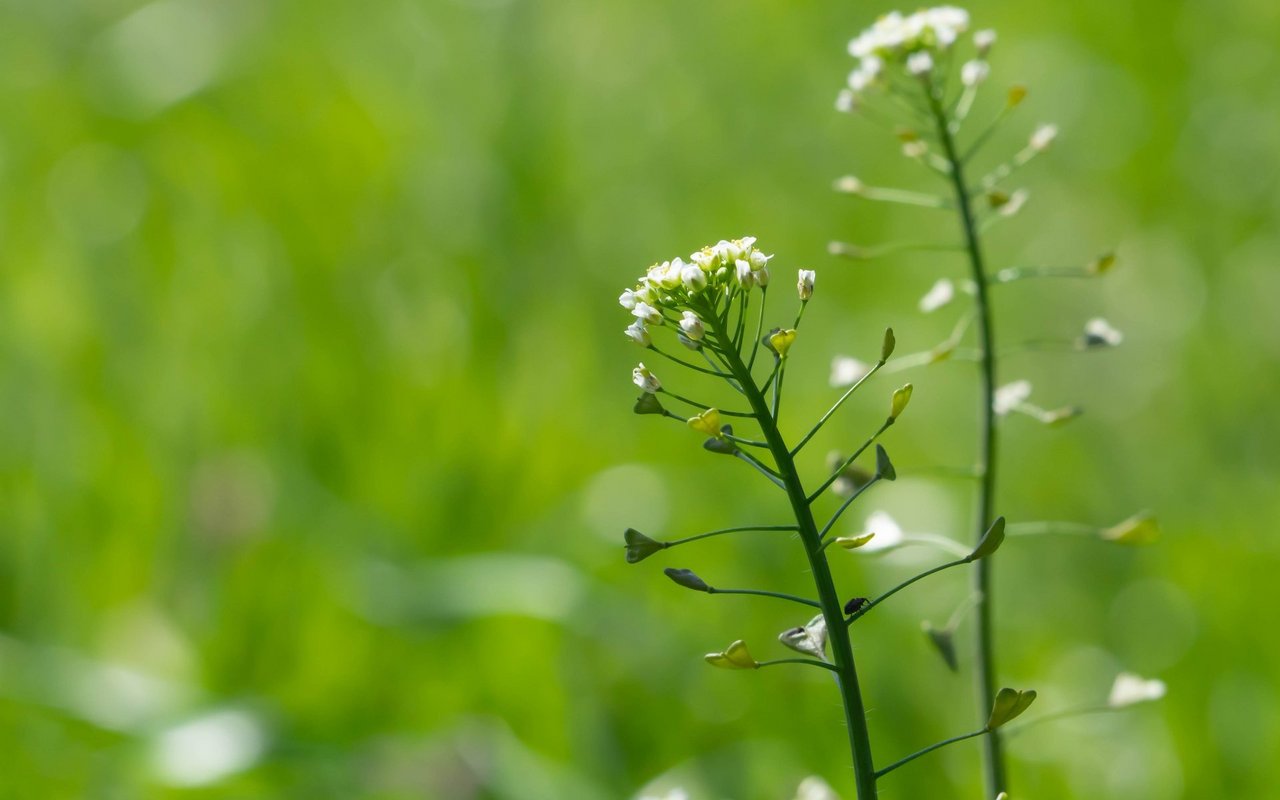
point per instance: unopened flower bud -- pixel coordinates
(1043, 137)
(900, 399)
(846, 101)
(804, 286)
(887, 346)
(974, 72)
(854, 542)
(693, 278)
(915, 149)
(920, 63)
(687, 579)
(983, 40)
(627, 300)
(1138, 529)
(743, 273)
(1016, 95)
(646, 380)
(1010, 396)
(692, 327)
(735, 656)
(762, 276)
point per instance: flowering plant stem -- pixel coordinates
(828, 599)
(993, 752)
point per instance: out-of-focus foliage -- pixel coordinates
(316, 443)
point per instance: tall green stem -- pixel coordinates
(832, 609)
(993, 750)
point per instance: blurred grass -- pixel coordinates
(316, 422)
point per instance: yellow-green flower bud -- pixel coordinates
(1138, 529)
(735, 656)
(900, 400)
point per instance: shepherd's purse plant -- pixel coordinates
(709, 314)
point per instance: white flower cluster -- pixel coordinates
(915, 42)
(666, 289)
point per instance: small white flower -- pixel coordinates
(1099, 333)
(920, 63)
(639, 333)
(758, 260)
(914, 149)
(815, 788)
(743, 273)
(647, 313)
(1010, 396)
(1130, 689)
(703, 259)
(762, 277)
(1043, 137)
(646, 380)
(804, 286)
(846, 102)
(671, 271)
(692, 326)
(983, 40)
(627, 300)
(693, 278)
(888, 533)
(1015, 203)
(849, 184)
(974, 72)
(846, 371)
(943, 292)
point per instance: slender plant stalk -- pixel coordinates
(993, 751)
(828, 599)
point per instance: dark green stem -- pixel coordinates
(765, 593)
(723, 531)
(828, 599)
(993, 752)
(930, 749)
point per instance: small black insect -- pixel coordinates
(855, 605)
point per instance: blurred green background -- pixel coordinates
(316, 433)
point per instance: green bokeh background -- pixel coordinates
(316, 433)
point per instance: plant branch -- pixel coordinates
(862, 612)
(929, 749)
(993, 751)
